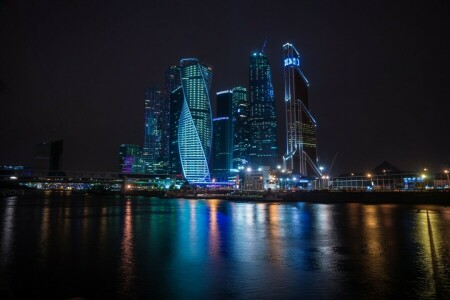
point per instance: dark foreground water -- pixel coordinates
(58, 247)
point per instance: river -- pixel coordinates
(58, 246)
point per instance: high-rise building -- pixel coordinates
(172, 80)
(156, 149)
(301, 143)
(153, 154)
(172, 83)
(223, 133)
(176, 104)
(263, 149)
(195, 125)
(241, 133)
(130, 161)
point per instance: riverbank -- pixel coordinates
(403, 197)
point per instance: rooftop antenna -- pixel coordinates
(264, 45)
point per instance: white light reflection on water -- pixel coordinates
(45, 230)
(7, 240)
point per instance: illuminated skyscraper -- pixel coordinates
(223, 133)
(156, 149)
(153, 153)
(176, 104)
(172, 105)
(301, 144)
(241, 136)
(195, 125)
(263, 149)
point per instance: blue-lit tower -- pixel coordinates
(153, 152)
(176, 104)
(195, 124)
(301, 144)
(241, 132)
(223, 133)
(263, 149)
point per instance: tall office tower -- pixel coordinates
(176, 104)
(301, 143)
(223, 133)
(172, 82)
(241, 135)
(263, 149)
(172, 79)
(130, 159)
(153, 155)
(195, 125)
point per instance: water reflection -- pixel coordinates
(45, 230)
(214, 231)
(8, 230)
(213, 249)
(127, 263)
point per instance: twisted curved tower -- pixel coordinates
(195, 125)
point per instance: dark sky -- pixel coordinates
(379, 72)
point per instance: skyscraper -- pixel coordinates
(153, 153)
(172, 115)
(223, 133)
(48, 156)
(176, 104)
(241, 136)
(195, 124)
(263, 149)
(156, 149)
(301, 144)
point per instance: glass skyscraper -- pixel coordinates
(263, 149)
(301, 143)
(223, 133)
(195, 124)
(156, 149)
(176, 104)
(241, 134)
(153, 154)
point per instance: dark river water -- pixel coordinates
(111, 247)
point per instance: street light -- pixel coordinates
(448, 182)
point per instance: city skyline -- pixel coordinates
(378, 89)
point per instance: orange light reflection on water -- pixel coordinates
(127, 264)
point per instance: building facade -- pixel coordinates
(241, 133)
(156, 148)
(176, 104)
(48, 156)
(130, 161)
(153, 154)
(195, 124)
(301, 144)
(222, 152)
(263, 150)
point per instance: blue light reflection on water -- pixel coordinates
(137, 247)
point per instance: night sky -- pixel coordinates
(77, 70)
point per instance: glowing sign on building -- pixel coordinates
(292, 61)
